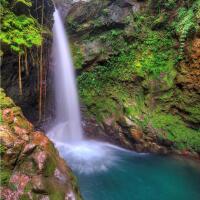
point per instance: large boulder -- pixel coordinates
(31, 167)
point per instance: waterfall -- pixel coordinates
(68, 120)
(86, 156)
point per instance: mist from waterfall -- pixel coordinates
(68, 120)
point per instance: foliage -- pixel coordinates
(174, 129)
(159, 5)
(151, 56)
(4, 173)
(78, 56)
(2, 149)
(112, 88)
(157, 55)
(186, 22)
(25, 2)
(194, 112)
(4, 176)
(19, 31)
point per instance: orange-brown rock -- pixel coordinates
(136, 134)
(8, 115)
(189, 76)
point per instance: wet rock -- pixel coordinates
(109, 121)
(21, 132)
(40, 159)
(23, 123)
(136, 134)
(6, 136)
(139, 147)
(8, 115)
(38, 138)
(38, 185)
(126, 122)
(29, 148)
(59, 175)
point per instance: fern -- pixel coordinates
(186, 22)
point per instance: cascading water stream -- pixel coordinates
(68, 120)
(84, 155)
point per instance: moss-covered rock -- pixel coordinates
(25, 156)
(147, 69)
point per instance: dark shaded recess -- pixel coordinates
(9, 68)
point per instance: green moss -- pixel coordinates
(167, 96)
(28, 187)
(22, 122)
(2, 149)
(17, 110)
(24, 197)
(28, 167)
(50, 167)
(107, 89)
(5, 102)
(157, 56)
(160, 21)
(57, 195)
(176, 131)
(78, 56)
(71, 24)
(194, 112)
(19, 31)
(142, 71)
(5, 176)
(4, 172)
(97, 23)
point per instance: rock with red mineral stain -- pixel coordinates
(39, 138)
(8, 115)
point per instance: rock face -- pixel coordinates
(188, 82)
(31, 167)
(93, 18)
(118, 49)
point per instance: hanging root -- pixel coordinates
(26, 62)
(20, 74)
